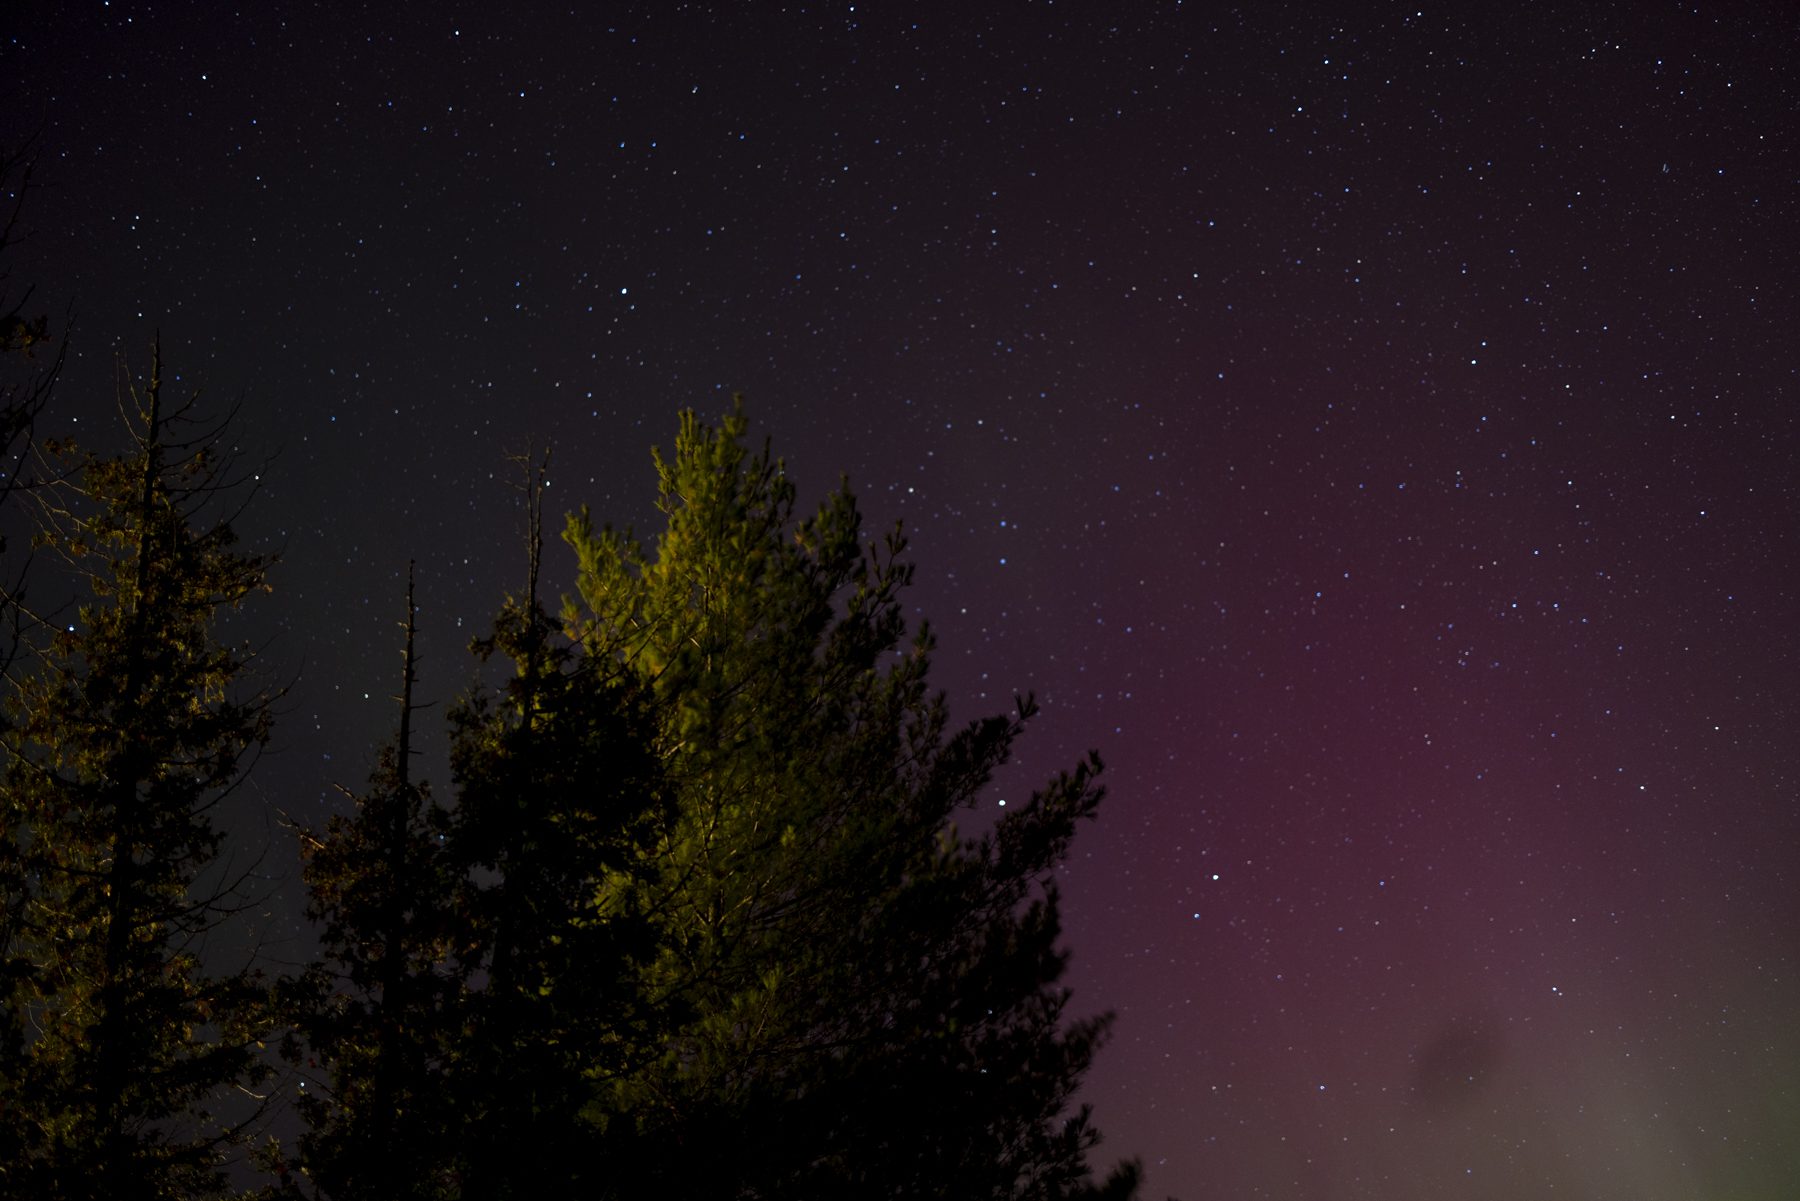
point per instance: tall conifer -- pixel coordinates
(854, 999)
(475, 975)
(556, 797)
(128, 728)
(377, 1017)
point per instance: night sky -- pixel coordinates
(1377, 433)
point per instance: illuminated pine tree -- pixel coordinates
(850, 999)
(127, 731)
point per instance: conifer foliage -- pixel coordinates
(850, 998)
(558, 797)
(704, 925)
(697, 920)
(377, 1012)
(476, 972)
(127, 728)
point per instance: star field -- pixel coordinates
(1376, 432)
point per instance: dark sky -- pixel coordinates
(1376, 432)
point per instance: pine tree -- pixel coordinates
(705, 925)
(27, 380)
(127, 733)
(476, 961)
(848, 997)
(377, 1015)
(556, 797)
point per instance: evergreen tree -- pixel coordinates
(27, 379)
(476, 960)
(126, 734)
(377, 1015)
(703, 925)
(848, 998)
(556, 798)
(24, 389)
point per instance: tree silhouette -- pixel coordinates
(475, 970)
(699, 923)
(376, 1017)
(127, 729)
(558, 798)
(27, 379)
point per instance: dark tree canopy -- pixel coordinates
(477, 973)
(128, 724)
(377, 1010)
(697, 920)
